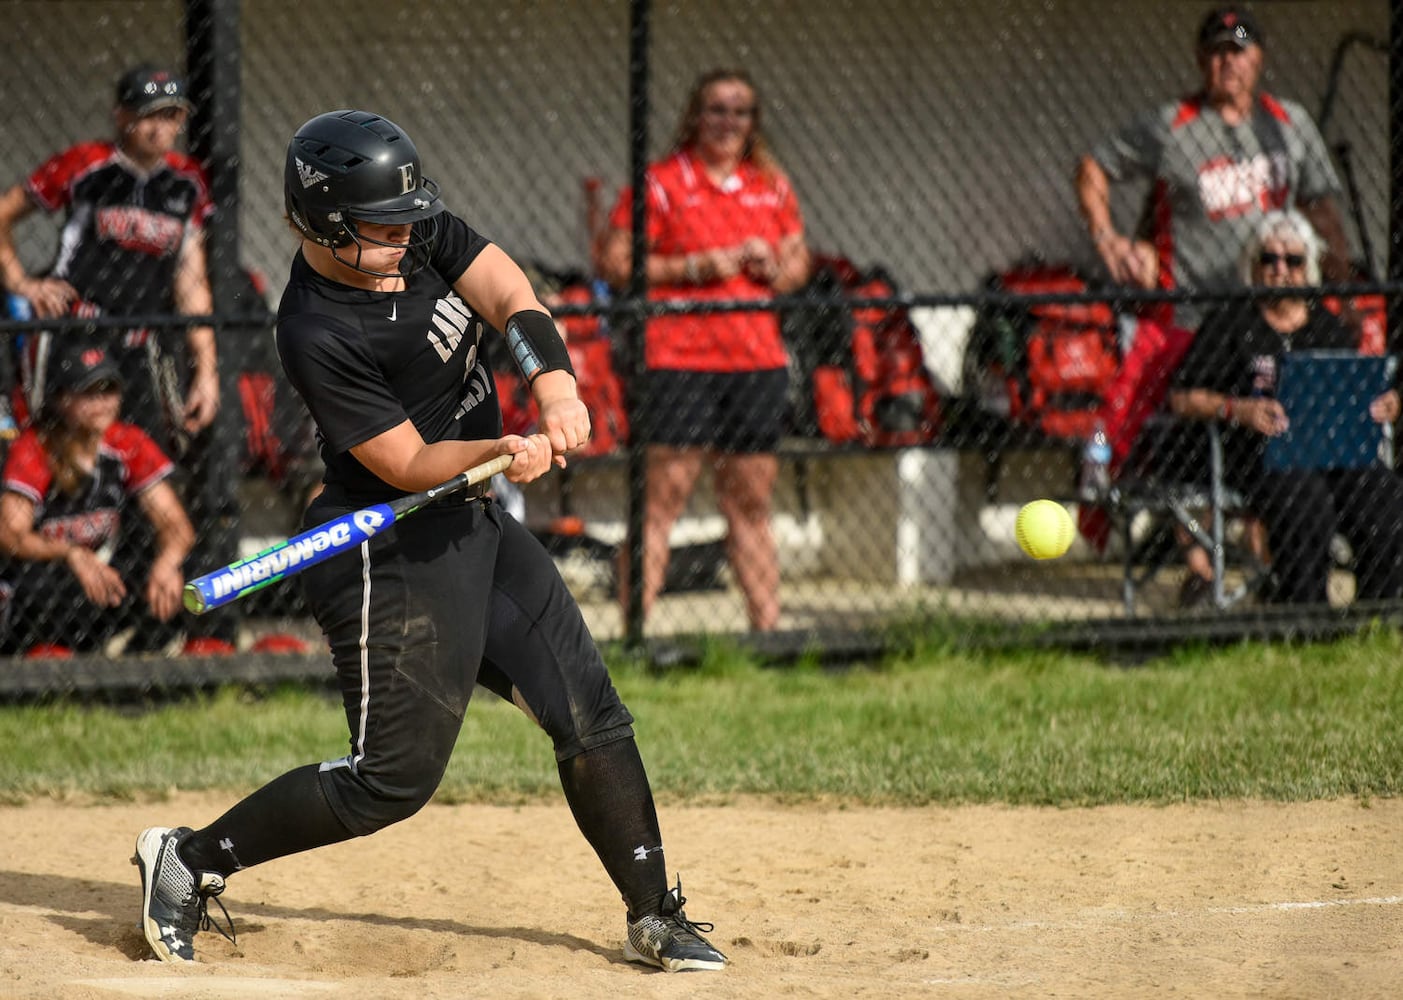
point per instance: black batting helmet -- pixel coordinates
(354, 165)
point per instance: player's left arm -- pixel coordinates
(499, 290)
(793, 262)
(194, 298)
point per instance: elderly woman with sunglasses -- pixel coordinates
(1230, 376)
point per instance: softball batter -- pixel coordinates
(379, 331)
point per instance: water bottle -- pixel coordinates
(1096, 465)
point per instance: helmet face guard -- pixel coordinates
(417, 251)
(346, 167)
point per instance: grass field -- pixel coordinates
(1286, 723)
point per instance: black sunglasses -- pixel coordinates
(1268, 259)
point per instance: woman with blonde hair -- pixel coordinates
(723, 224)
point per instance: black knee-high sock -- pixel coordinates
(609, 795)
(287, 815)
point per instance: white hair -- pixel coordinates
(1287, 225)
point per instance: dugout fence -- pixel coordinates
(932, 148)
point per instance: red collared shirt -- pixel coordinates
(687, 212)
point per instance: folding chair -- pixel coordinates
(1173, 498)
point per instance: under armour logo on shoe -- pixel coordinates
(309, 175)
(640, 853)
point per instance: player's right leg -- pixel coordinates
(540, 656)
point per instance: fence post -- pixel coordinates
(634, 322)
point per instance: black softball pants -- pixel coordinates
(457, 594)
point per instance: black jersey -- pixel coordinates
(366, 361)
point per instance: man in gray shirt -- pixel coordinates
(1217, 161)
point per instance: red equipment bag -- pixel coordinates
(1071, 354)
(1370, 313)
(1056, 359)
(869, 380)
(258, 391)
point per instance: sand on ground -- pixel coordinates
(1214, 900)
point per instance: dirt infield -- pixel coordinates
(1221, 900)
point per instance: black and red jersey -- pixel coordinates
(125, 227)
(128, 462)
(366, 361)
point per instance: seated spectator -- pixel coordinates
(67, 481)
(1229, 375)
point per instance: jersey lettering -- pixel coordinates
(140, 230)
(477, 387)
(1230, 188)
(90, 529)
(450, 322)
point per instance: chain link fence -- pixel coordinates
(933, 149)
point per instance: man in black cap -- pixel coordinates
(1217, 161)
(132, 245)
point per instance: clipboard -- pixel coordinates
(1326, 396)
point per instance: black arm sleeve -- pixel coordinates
(536, 345)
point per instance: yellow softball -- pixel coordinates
(1044, 529)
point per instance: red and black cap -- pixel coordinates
(1230, 25)
(78, 364)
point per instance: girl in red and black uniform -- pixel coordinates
(132, 243)
(67, 482)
